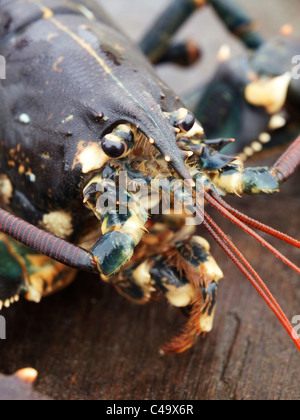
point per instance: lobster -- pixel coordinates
(82, 109)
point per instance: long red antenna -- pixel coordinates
(287, 164)
(217, 233)
(240, 255)
(45, 243)
(251, 232)
(254, 223)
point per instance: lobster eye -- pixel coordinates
(113, 149)
(119, 142)
(187, 123)
(182, 119)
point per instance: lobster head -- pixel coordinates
(129, 102)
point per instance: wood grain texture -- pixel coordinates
(89, 343)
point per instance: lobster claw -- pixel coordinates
(212, 160)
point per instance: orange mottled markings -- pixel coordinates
(57, 63)
(51, 36)
(21, 169)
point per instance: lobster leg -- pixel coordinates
(238, 22)
(191, 259)
(121, 233)
(123, 223)
(183, 53)
(186, 274)
(24, 272)
(156, 43)
(235, 179)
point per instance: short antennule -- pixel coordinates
(157, 127)
(176, 158)
(181, 169)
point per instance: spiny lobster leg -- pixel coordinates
(121, 233)
(187, 275)
(235, 179)
(24, 272)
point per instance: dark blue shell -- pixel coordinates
(63, 71)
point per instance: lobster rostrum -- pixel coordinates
(81, 106)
